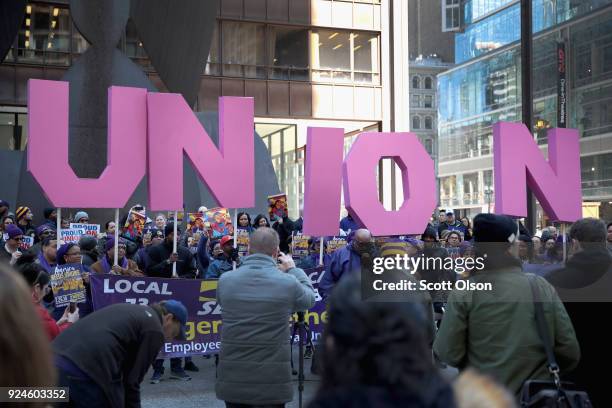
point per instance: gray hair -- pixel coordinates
(264, 240)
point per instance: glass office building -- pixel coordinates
(485, 87)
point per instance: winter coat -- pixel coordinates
(159, 268)
(495, 331)
(585, 287)
(257, 300)
(284, 231)
(219, 266)
(344, 261)
(51, 327)
(131, 268)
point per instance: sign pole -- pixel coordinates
(235, 235)
(58, 222)
(321, 252)
(564, 242)
(174, 243)
(116, 260)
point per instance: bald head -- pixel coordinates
(363, 235)
(265, 241)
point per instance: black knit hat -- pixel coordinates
(495, 228)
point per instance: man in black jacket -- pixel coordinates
(103, 359)
(585, 287)
(161, 259)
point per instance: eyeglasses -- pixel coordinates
(18, 239)
(73, 254)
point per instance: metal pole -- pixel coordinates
(116, 260)
(527, 94)
(235, 235)
(58, 221)
(174, 243)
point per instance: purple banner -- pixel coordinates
(203, 333)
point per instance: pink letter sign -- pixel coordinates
(418, 178)
(555, 184)
(323, 180)
(228, 172)
(48, 147)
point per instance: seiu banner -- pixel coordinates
(203, 333)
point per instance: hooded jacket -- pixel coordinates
(257, 300)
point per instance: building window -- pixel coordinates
(415, 101)
(428, 122)
(44, 37)
(243, 49)
(428, 83)
(281, 141)
(288, 53)
(416, 82)
(13, 130)
(416, 122)
(428, 101)
(341, 56)
(134, 47)
(451, 15)
(213, 66)
(429, 146)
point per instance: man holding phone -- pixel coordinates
(257, 300)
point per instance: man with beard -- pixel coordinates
(347, 261)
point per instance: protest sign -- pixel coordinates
(71, 235)
(242, 242)
(135, 222)
(196, 222)
(67, 284)
(90, 229)
(180, 216)
(220, 222)
(26, 243)
(299, 246)
(203, 333)
(199, 297)
(277, 207)
(335, 244)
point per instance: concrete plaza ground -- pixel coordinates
(200, 391)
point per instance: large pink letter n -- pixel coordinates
(519, 162)
(228, 172)
(48, 147)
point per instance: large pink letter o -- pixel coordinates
(360, 192)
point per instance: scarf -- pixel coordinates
(107, 267)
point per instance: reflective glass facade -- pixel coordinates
(503, 27)
(477, 94)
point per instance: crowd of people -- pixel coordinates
(381, 353)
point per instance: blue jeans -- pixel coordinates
(175, 364)
(83, 393)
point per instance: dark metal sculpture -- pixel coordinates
(177, 37)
